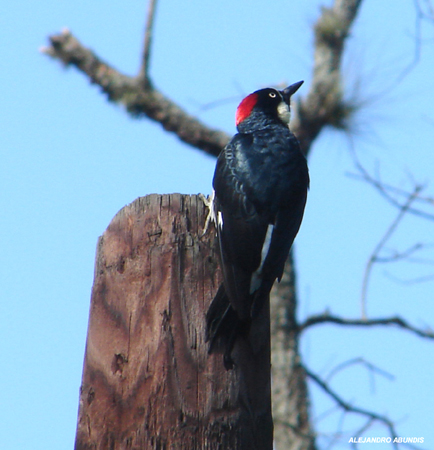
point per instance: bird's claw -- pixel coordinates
(209, 203)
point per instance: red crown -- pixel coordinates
(245, 108)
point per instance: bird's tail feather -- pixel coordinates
(223, 326)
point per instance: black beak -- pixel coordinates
(290, 90)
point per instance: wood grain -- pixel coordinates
(148, 381)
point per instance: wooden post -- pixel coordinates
(148, 382)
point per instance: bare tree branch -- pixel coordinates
(389, 321)
(393, 194)
(403, 200)
(365, 427)
(372, 369)
(417, 44)
(324, 104)
(424, 10)
(137, 97)
(398, 256)
(379, 247)
(347, 407)
(371, 416)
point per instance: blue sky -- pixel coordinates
(69, 161)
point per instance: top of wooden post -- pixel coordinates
(148, 381)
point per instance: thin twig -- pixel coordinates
(428, 12)
(143, 75)
(387, 190)
(362, 430)
(216, 103)
(417, 280)
(389, 321)
(398, 256)
(371, 368)
(376, 252)
(417, 47)
(347, 407)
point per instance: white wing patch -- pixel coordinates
(255, 282)
(220, 219)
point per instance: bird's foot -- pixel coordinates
(209, 203)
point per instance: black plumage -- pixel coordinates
(260, 187)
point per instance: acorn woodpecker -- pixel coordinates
(259, 194)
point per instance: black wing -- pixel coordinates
(258, 211)
(286, 226)
(241, 229)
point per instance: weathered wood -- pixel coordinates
(148, 382)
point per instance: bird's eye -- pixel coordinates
(272, 94)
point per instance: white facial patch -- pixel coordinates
(256, 276)
(283, 112)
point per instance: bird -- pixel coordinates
(260, 187)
